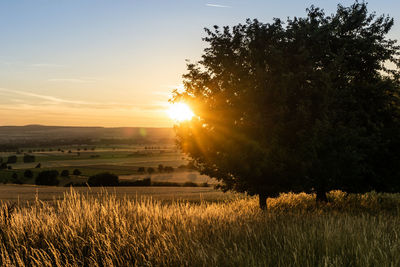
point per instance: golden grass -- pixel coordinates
(85, 230)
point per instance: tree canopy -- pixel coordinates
(307, 105)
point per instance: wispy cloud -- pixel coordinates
(72, 80)
(217, 5)
(44, 97)
(49, 100)
(46, 65)
(31, 65)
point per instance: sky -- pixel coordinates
(115, 63)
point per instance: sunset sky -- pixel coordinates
(115, 62)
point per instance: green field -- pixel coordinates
(123, 161)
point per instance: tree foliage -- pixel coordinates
(307, 105)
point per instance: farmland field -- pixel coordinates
(29, 193)
(105, 230)
(123, 161)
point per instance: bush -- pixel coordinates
(168, 169)
(76, 172)
(150, 170)
(12, 159)
(141, 182)
(190, 184)
(3, 166)
(141, 169)
(65, 173)
(29, 158)
(28, 174)
(103, 179)
(15, 179)
(160, 168)
(47, 178)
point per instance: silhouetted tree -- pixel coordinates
(76, 172)
(141, 169)
(310, 106)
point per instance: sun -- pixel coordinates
(180, 112)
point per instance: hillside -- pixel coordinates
(39, 134)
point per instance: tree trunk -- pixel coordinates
(321, 196)
(262, 198)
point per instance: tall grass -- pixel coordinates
(83, 230)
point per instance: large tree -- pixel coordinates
(307, 105)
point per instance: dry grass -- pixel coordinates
(85, 230)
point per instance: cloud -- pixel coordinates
(51, 101)
(44, 97)
(71, 80)
(30, 65)
(46, 65)
(217, 5)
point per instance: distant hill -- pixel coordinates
(39, 134)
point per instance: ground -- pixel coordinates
(122, 160)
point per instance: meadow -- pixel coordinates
(108, 230)
(122, 160)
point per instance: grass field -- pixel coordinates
(106, 230)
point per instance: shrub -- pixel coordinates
(12, 159)
(28, 158)
(141, 182)
(150, 170)
(15, 178)
(160, 168)
(65, 173)
(141, 169)
(76, 172)
(103, 179)
(190, 184)
(168, 169)
(47, 178)
(28, 174)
